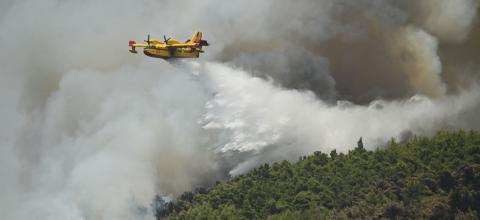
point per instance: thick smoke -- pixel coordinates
(258, 117)
(450, 21)
(375, 48)
(90, 131)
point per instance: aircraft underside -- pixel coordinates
(176, 53)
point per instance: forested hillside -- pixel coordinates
(436, 178)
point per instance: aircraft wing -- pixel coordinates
(182, 45)
(165, 46)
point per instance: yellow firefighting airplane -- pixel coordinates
(171, 48)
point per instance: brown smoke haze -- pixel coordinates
(90, 131)
(374, 49)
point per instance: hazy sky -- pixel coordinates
(91, 131)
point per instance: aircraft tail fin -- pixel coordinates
(197, 37)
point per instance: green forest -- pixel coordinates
(434, 177)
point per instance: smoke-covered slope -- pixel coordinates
(90, 131)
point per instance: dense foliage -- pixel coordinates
(427, 178)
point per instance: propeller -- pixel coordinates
(165, 39)
(148, 39)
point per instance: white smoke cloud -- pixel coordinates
(105, 138)
(89, 131)
(252, 115)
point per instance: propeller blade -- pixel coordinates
(165, 39)
(148, 40)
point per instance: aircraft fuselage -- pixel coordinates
(171, 53)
